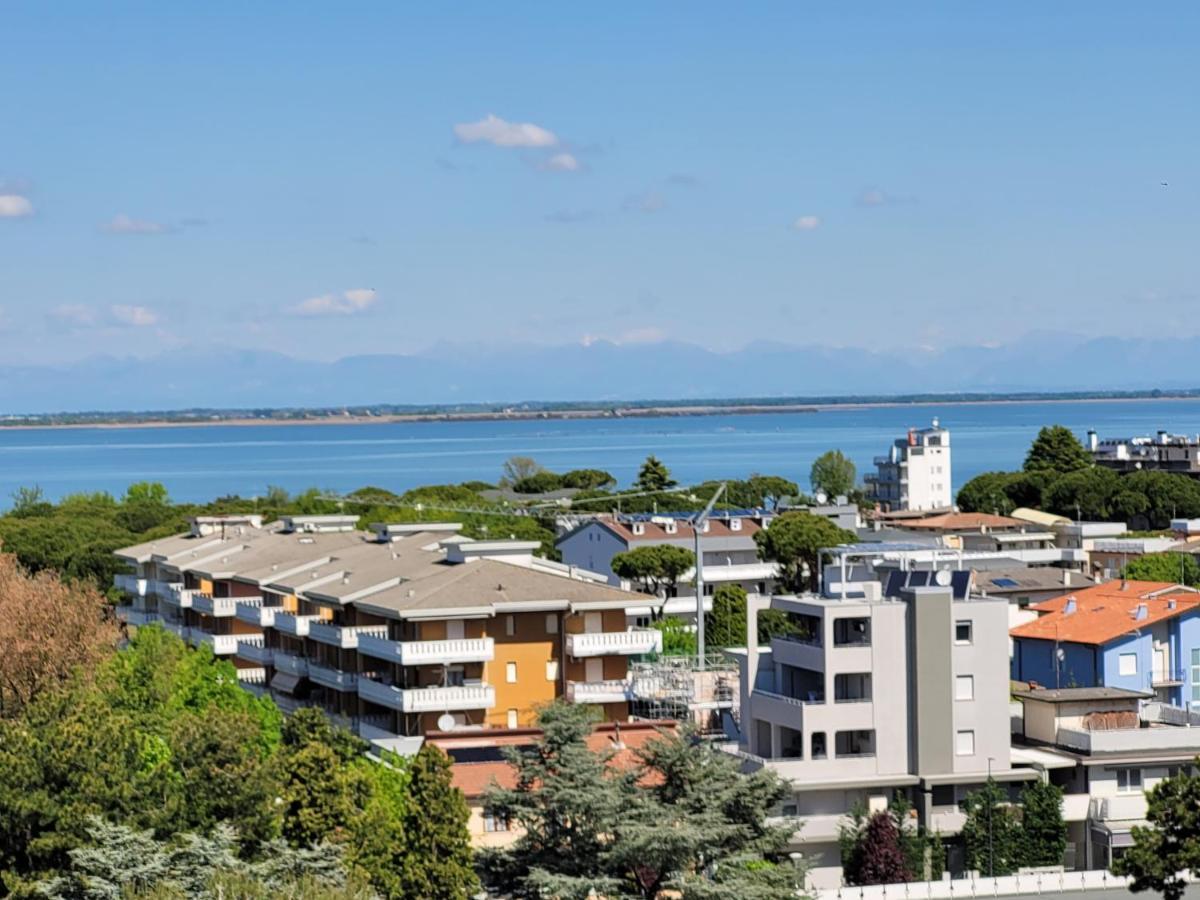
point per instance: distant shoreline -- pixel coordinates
(565, 412)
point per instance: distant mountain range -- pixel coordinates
(600, 372)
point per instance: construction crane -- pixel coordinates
(698, 521)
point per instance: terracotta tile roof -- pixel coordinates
(962, 522)
(1106, 611)
(656, 533)
(474, 778)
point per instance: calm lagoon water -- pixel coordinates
(199, 463)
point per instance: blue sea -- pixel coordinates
(200, 463)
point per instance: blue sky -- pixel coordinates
(325, 180)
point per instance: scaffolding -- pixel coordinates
(679, 688)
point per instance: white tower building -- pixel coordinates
(915, 475)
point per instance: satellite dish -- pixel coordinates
(445, 722)
(1061, 654)
(822, 498)
(942, 577)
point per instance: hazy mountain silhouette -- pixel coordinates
(601, 371)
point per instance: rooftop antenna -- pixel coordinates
(697, 524)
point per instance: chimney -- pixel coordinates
(1142, 612)
(1066, 577)
(1093, 440)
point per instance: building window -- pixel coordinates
(551, 623)
(493, 822)
(964, 743)
(1129, 781)
(818, 745)
(962, 632)
(510, 625)
(511, 718)
(456, 676)
(1127, 664)
(552, 670)
(964, 687)
(510, 672)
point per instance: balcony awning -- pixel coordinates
(285, 681)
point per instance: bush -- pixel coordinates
(538, 483)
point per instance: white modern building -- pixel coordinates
(915, 474)
(878, 694)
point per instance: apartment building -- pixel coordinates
(1164, 452)
(1139, 636)
(396, 632)
(730, 555)
(915, 474)
(880, 692)
(1105, 747)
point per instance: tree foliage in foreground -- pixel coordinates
(1000, 837)
(1166, 852)
(1177, 568)
(681, 819)
(655, 568)
(889, 847)
(833, 473)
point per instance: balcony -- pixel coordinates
(290, 663)
(131, 584)
(251, 611)
(290, 623)
(1168, 678)
(252, 676)
(1131, 740)
(179, 596)
(430, 699)
(427, 653)
(332, 678)
(220, 607)
(253, 647)
(635, 642)
(345, 637)
(132, 616)
(177, 628)
(161, 588)
(614, 691)
(221, 644)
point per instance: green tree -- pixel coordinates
(991, 834)
(1168, 495)
(679, 639)
(758, 491)
(588, 479)
(725, 626)
(1176, 568)
(1166, 850)
(1056, 449)
(868, 856)
(833, 473)
(654, 476)
(517, 467)
(685, 820)
(30, 501)
(1043, 833)
(987, 493)
(438, 864)
(538, 483)
(1085, 493)
(794, 541)
(654, 567)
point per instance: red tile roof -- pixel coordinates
(962, 522)
(717, 528)
(1106, 611)
(474, 778)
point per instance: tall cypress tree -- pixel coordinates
(439, 862)
(1043, 831)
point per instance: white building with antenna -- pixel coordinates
(915, 474)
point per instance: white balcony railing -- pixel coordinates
(331, 677)
(614, 691)
(253, 648)
(290, 663)
(222, 644)
(220, 607)
(251, 611)
(293, 624)
(179, 596)
(427, 653)
(252, 676)
(131, 584)
(160, 588)
(344, 636)
(429, 699)
(635, 642)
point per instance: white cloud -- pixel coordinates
(561, 162)
(137, 316)
(14, 206)
(647, 202)
(807, 223)
(75, 314)
(123, 224)
(494, 130)
(347, 303)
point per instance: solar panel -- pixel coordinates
(1004, 582)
